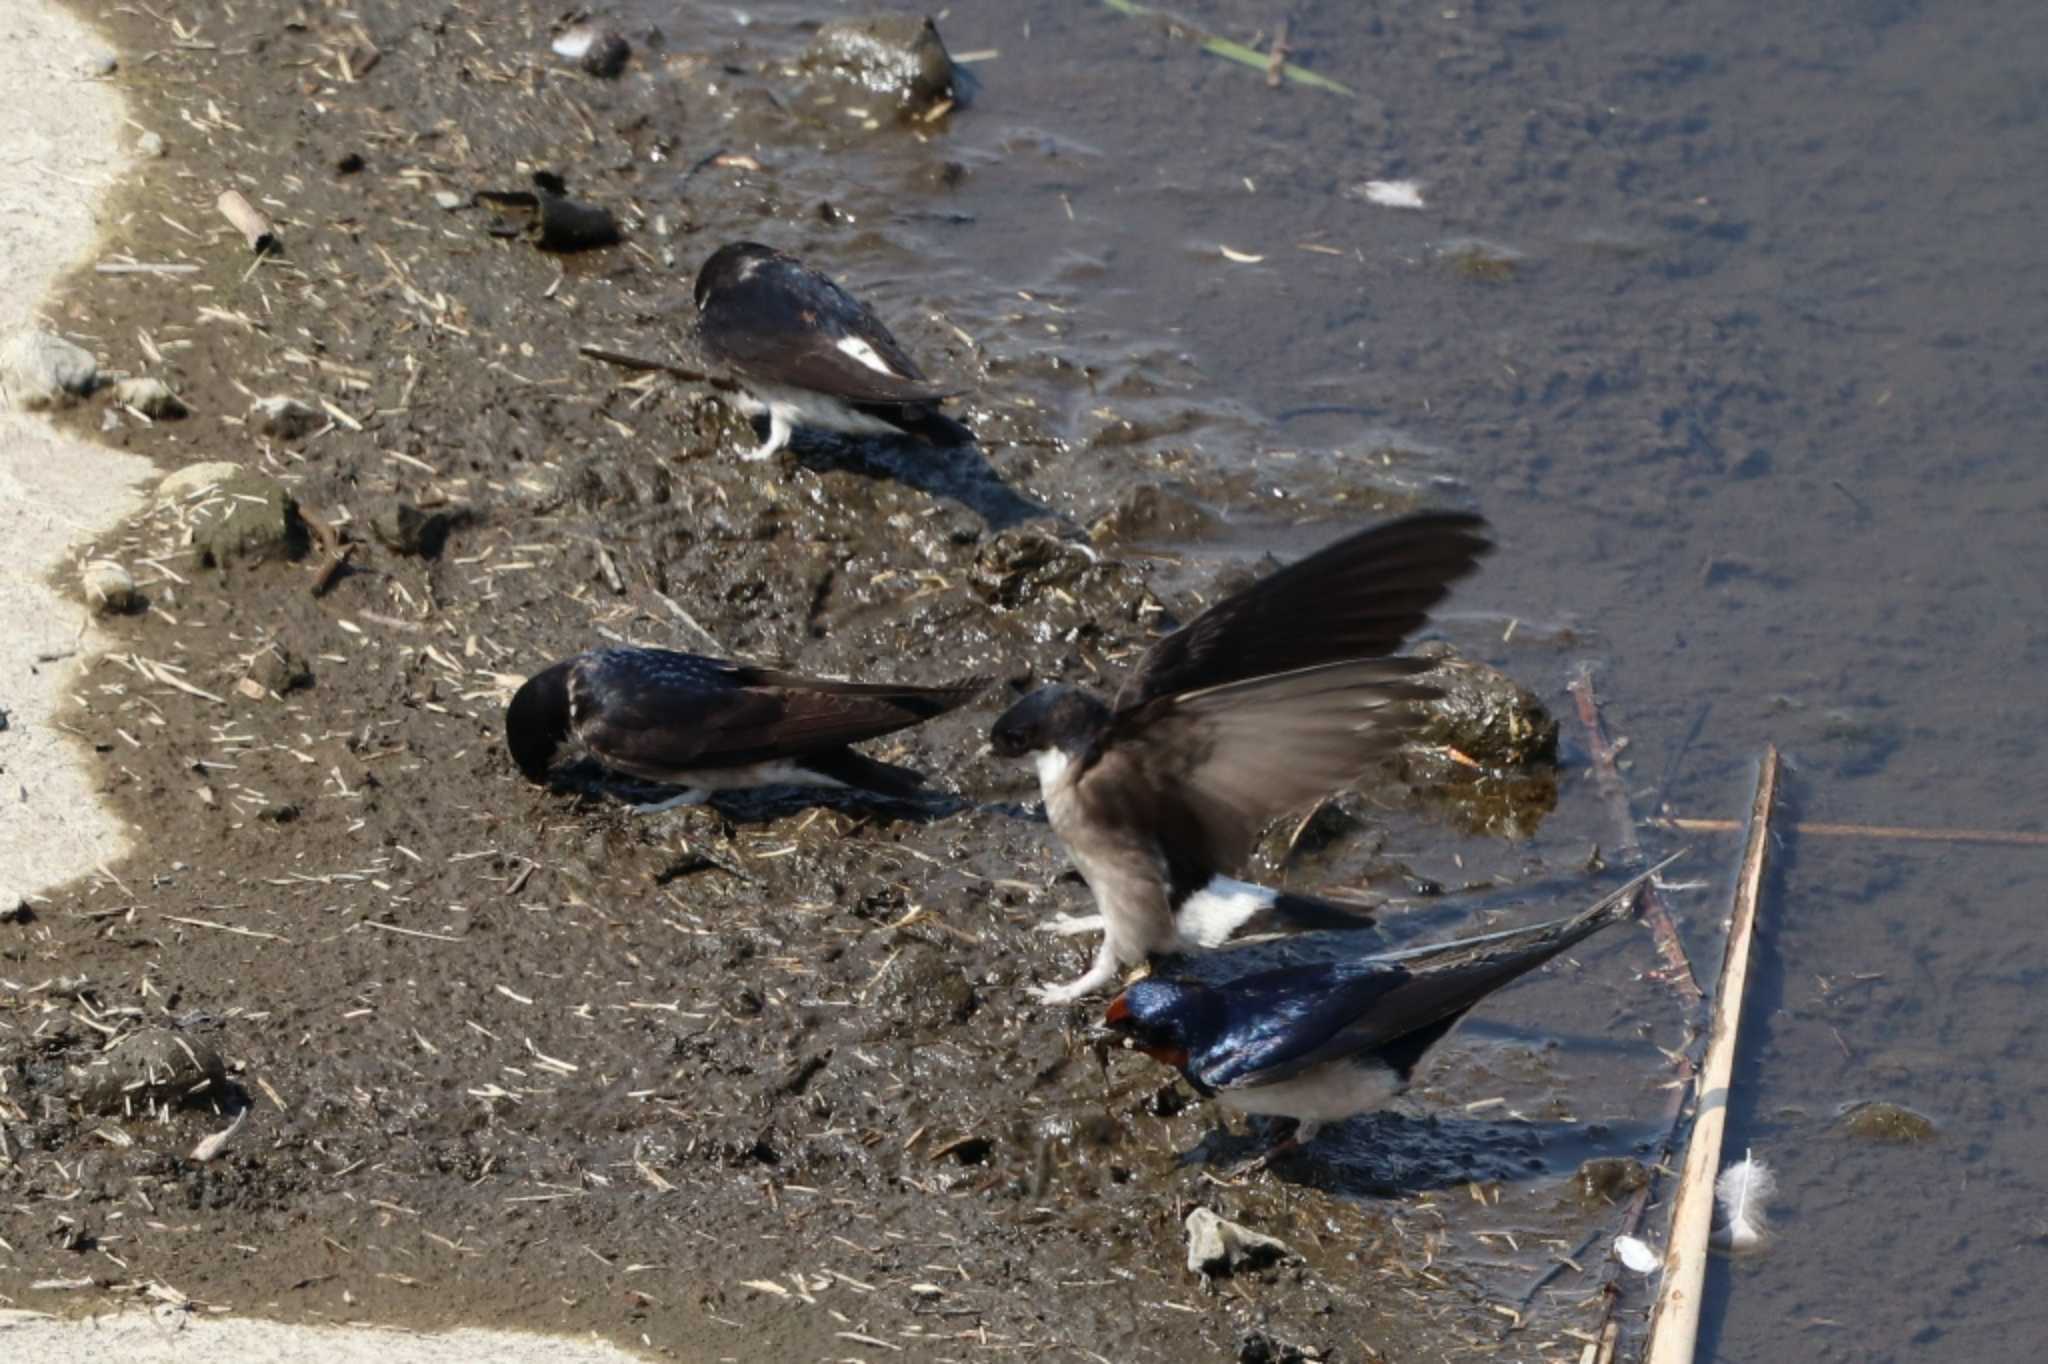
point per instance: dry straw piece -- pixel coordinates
(248, 219)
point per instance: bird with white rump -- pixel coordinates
(806, 353)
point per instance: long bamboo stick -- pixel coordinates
(1905, 833)
(1674, 1325)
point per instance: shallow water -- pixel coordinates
(1752, 402)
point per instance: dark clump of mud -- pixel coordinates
(753, 1079)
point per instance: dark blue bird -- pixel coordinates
(708, 725)
(807, 353)
(1330, 1040)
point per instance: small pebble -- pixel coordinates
(150, 397)
(149, 146)
(109, 587)
(284, 418)
(98, 65)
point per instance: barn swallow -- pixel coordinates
(708, 725)
(1270, 698)
(1333, 1039)
(808, 353)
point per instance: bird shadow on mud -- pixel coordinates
(956, 473)
(1385, 1155)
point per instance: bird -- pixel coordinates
(1327, 1040)
(1277, 695)
(807, 353)
(709, 725)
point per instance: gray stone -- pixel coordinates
(280, 669)
(150, 397)
(97, 64)
(924, 989)
(896, 56)
(1216, 1246)
(402, 527)
(109, 587)
(39, 370)
(150, 146)
(1484, 713)
(260, 521)
(147, 1068)
(196, 478)
(283, 418)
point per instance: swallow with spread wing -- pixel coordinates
(708, 725)
(1269, 699)
(807, 353)
(1330, 1040)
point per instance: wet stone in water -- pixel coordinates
(1880, 1120)
(1485, 714)
(154, 1066)
(897, 56)
(1609, 1179)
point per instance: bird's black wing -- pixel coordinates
(658, 714)
(778, 321)
(1357, 598)
(1288, 1020)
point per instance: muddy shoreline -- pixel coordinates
(755, 1080)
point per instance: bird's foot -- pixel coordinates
(1298, 1136)
(1070, 925)
(693, 796)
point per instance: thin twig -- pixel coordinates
(1674, 1325)
(2013, 838)
(228, 928)
(639, 362)
(1655, 912)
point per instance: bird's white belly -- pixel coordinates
(778, 773)
(1330, 1092)
(819, 411)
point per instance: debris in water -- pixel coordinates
(1635, 1253)
(1744, 1191)
(1394, 193)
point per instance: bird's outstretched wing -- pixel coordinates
(1358, 598)
(1210, 768)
